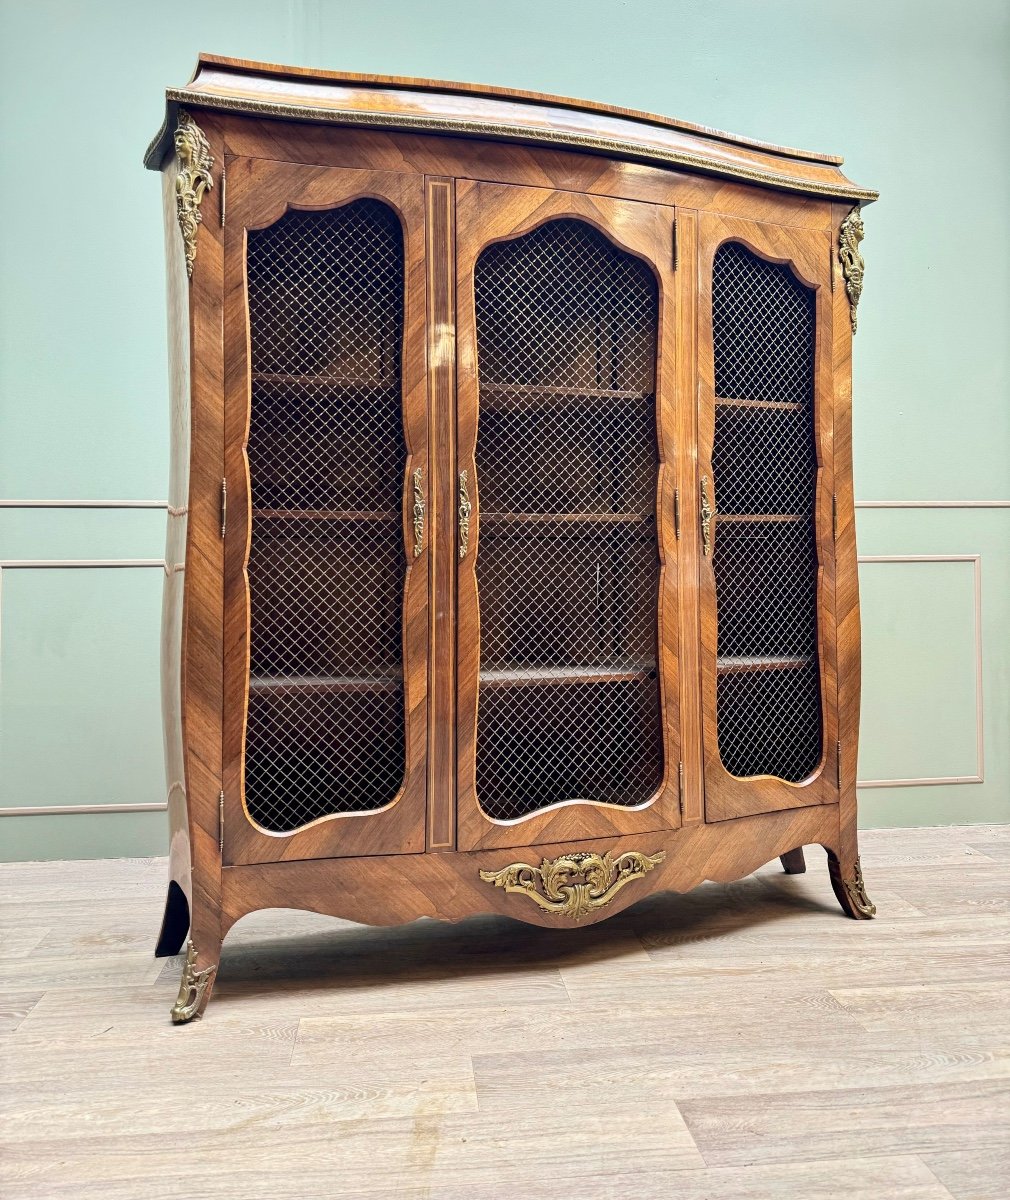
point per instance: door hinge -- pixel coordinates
(673, 248)
(224, 507)
(680, 788)
(831, 265)
(834, 517)
(838, 763)
(224, 195)
(220, 820)
(676, 512)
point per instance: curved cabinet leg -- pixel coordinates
(196, 984)
(793, 862)
(174, 922)
(849, 889)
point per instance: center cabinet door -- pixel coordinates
(326, 545)
(567, 719)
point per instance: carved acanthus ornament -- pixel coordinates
(850, 234)
(193, 180)
(575, 885)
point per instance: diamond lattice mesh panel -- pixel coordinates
(568, 566)
(326, 568)
(765, 560)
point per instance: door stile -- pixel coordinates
(689, 545)
(260, 193)
(440, 235)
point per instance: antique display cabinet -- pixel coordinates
(511, 558)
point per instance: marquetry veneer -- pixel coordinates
(511, 557)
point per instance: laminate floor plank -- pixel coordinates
(741, 1042)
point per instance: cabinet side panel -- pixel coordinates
(847, 578)
(175, 543)
(204, 574)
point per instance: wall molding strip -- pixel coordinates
(83, 504)
(32, 564)
(72, 810)
(933, 504)
(937, 780)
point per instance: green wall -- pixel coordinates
(915, 93)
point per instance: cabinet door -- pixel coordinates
(326, 551)
(567, 625)
(765, 502)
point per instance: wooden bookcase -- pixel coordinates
(511, 557)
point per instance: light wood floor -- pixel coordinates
(742, 1041)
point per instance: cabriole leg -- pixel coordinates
(793, 862)
(174, 922)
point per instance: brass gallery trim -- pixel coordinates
(574, 885)
(945, 780)
(493, 129)
(193, 180)
(192, 988)
(850, 234)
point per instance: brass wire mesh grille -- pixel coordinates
(326, 568)
(568, 566)
(765, 561)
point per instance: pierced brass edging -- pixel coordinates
(418, 512)
(575, 885)
(192, 988)
(856, 891)
(850, 234)
(613, 146)
(193, 180)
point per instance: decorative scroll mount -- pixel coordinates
(575, 885)
(465, 509)
(850, 234)
(193, 988)
(706, 513)
(193, 180)
(856, 890)
(418, 512)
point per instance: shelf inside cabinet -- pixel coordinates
(541, 676)
(740, 664)
(587, 518)
(314, 514)
(324, 380)
(778, 405)
(759, 518)
(505, 396)
(323, 684)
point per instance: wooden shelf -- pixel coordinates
(311, 514)
(758, 518)
(539, 676)
(323, 380)
(522, 395)
(763, 662)
(780, 405)
(271, 685)
(567, 518)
